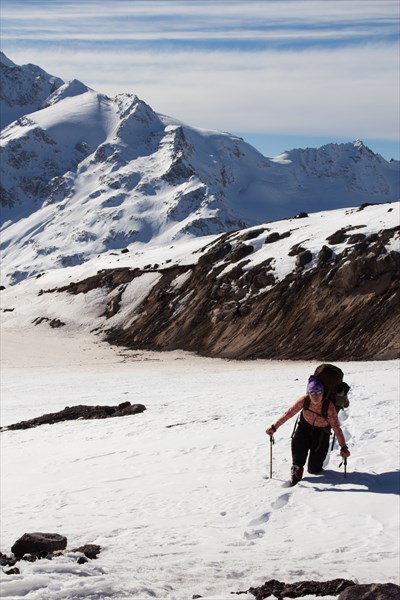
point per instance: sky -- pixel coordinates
(282, 74)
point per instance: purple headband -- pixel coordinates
(314, 385)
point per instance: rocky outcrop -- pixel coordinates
(37, 546)
(371, 591)
(344, 589)
(346, 307)
(89, 550)
(325, 293)
(280, 590)
(80, 412)
(33, 543)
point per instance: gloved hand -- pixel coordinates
(344, 452)
(271, 430)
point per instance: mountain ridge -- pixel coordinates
(323, 286)
(85, 174)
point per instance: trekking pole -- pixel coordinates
(344, 463)
(271, 443)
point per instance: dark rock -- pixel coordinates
(240, 252)
(272, 237)
(7, 561)
(124, 250)
(300, 588)
(338, 237)
(105, 278)
(89, 550)
(216, 253)
(303, 259)
(14, 571)
(55, 323)
(356, 238)
(32, 543)
(301, 215)
(33, 557)
(325, 255)
(82, 560)
(372, 591)
(365, 205)
(251, 235)
(72, 413)
(296, 249)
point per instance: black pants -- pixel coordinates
(313, 440)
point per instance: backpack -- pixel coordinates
(335, 390)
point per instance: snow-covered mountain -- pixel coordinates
(84, 174)
(24, 89)
(324, 286)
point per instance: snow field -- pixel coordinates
(178, 496)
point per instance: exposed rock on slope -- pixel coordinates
(332, 295)
(73, 413)
(347, 307)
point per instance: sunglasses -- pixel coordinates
(315, 393)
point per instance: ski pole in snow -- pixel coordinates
(344, 463)
(271, 443)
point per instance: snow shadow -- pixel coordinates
(378, 483)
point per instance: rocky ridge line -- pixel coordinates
(344, 308)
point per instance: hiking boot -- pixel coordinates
(296, 474)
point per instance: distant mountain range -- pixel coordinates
(83, 174)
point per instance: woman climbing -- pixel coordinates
(311, 437)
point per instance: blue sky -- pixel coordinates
(281, 73)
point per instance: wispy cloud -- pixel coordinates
(301, 66)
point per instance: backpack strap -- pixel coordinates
(325, 405)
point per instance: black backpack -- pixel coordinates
(335, 389)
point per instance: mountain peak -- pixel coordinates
(361, 147)
(113, 172)
(4, 60)
(25, 89)
(67, 90)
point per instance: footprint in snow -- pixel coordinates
(253, 534)
(261, 519)
(281, 501)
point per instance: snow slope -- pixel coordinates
(179, 497)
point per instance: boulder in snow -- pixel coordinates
(32, 543)
(372, 591)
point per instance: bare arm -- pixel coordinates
(334, 423)
(294, 409)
